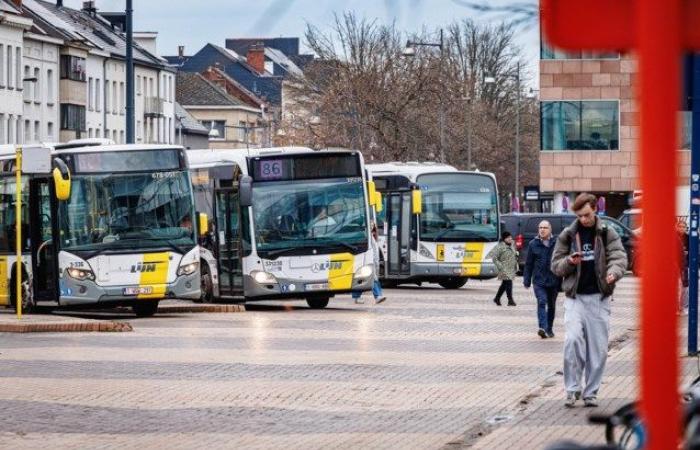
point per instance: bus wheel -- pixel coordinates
(206, 286)
(146, 308)
(318, 303)
(28, 305)
(453, 283)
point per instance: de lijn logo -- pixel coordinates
(143, 267)
(332, 265)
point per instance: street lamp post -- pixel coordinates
(130, 114)
(492, 80)
(410, 50)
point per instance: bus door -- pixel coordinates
(398, 233)
(228, 242)
(43, 244)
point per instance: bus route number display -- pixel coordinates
(271, 169)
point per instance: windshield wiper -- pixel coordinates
(281, 251)
(350, 247)
(449, 227)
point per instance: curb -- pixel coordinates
(201, 309)
(97, 326)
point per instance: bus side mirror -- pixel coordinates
(202, 224)
(61, 179)
(378, 203)
(372, 193)
(245, 191)
(416, 201)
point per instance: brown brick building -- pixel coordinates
(590, 127)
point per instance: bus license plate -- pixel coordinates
(138, 290)
(317, 287)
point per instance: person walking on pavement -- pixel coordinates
(376, 285)
(682, 232)
(538, 273)
(505, 258)
(590, 258)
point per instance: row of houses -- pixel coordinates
(63, 76)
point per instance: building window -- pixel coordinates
(121, 137)
(90, 95)
(219, 126)
(49, 131)
(72, 68)
(18, 65)
(72, 117)
(97, 133)
(549, 52)
(37, 131)
(138, 84)
(37, 85)
(114, 136)
(122, 99)
(139, 130)
(2, 68)
(27, 131)
(686, 138)
(49, 86)
(575, 125)
(107, 99)
(98, 87)
(115, 98)
(26, 85)
(9, 67)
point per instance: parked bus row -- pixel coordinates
(135, 224)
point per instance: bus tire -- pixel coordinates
(146, 308)
(317, 303)
(28, 304)
(453, 283)
(206, 285)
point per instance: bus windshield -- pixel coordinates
(458, 207)
(125, 211)
(301, 214)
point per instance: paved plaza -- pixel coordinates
(428, 369)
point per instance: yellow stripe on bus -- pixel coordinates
(471, 263)
(156, 277)
(341, 271)
(4, 282)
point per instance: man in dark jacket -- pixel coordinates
(538, 272)
(591, 259)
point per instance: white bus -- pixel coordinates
(287, 223)
(438, 224)
(124, 235)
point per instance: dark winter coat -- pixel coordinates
(538, 264)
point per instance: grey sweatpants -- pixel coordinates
(587, 325)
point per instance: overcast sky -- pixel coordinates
(194, 23)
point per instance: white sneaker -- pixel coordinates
(359, 301)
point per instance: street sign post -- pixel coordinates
(659, 32)
(693, 239)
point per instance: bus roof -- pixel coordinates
(412, 170)
(8, 151)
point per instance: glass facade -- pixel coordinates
(548, 52)
(580, 125)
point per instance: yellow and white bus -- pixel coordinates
(437, 224)
(288, 223)
(125, 235)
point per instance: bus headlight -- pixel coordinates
(364, 271)
(423, 251)
(188, 269)
(80, 274)
(261, 277)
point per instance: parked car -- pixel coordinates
(524, 228)
(632, 219)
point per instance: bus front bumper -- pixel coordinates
(74, 292)
(437, 270)
(295, 288)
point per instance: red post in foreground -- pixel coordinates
(659, 31)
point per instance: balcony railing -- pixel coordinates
(153, 106)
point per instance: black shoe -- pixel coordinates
(497, 301)
(550, 334)
(542, 333)
(512, 303)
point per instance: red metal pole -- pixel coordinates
(658, 36)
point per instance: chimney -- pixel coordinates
(181, 51)
(89, 7)
(256, 57)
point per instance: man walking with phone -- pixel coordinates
(590, 258)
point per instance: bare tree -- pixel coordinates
(363, 93)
